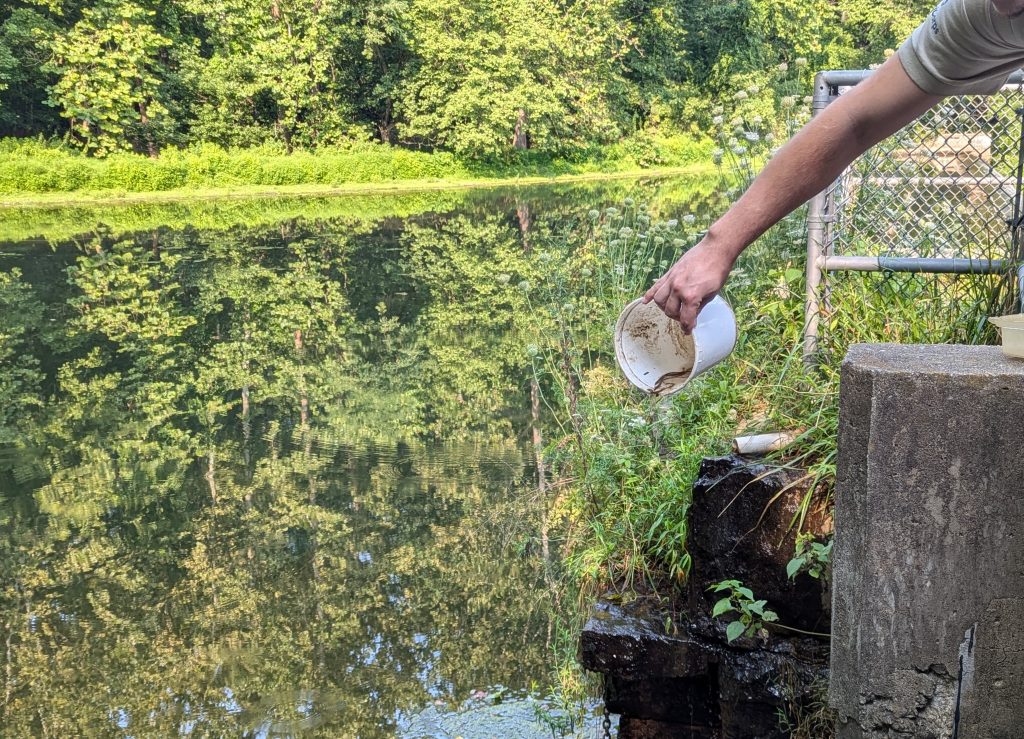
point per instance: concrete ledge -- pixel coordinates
(928, 562)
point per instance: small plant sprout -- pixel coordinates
(751, 614)
(811, 557)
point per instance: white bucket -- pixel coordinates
(655, 354)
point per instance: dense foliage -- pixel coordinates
(475, 78)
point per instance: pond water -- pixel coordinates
(268, 468)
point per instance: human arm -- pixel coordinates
(881, 105)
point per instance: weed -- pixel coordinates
(752, 615)
(812, 557)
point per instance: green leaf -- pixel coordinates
(746, 593)
(757, 607)
(733, 631)
(792, 275)
(770, 616)
(794, 566)
(722, 606)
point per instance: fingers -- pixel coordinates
(688, 317)
(675, 302)
(672, 306)
(649, 295)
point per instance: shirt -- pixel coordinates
(964, 47)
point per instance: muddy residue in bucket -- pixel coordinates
(646, 331)
(666, 382)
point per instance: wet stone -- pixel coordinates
(692, 682)
(740, 529)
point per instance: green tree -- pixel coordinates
(495, 76)
(272, 72)
(109, 78)
(23, 79)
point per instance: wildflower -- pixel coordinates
(732, 141)
(678, 243)
(525, 286)
(753, 89)
(613, 244)
(808, 99)
(672, 223)
(800, 62)
(658, 241)
(888, 53)
(752, 136)
(594, 214)
(689, 219)
(757, 120)
(783, 67)
(544, 257)
(739, 150)
(625, 232)
(737, 121)
(717, 110)
(769, 137)
(642, 236)
(504, 278)
(717, 120)
(611, 212)
(628, 202)
(716, 156)
(741, 95)
(585, 272)
(788, 102)
(568, 308)
(532, 350)
(620, 269)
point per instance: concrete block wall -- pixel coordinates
(928, 561)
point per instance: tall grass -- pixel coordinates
(627, 461)
(30, 166)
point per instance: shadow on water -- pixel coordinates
(272, 472)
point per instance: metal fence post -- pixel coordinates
(817, 214)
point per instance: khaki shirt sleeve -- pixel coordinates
(964, 47)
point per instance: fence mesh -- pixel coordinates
(944, 187)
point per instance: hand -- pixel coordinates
(691, 283)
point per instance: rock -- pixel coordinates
(693, 683)
(630, 642)
(741, 529)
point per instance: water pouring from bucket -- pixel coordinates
(656, 356)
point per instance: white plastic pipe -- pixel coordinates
(762, 443)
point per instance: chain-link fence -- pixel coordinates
(918, 239)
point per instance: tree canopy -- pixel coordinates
(481, 79)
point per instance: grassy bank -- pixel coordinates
(35, 172)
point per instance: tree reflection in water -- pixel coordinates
(274, 479)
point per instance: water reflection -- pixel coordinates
(274, 478)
